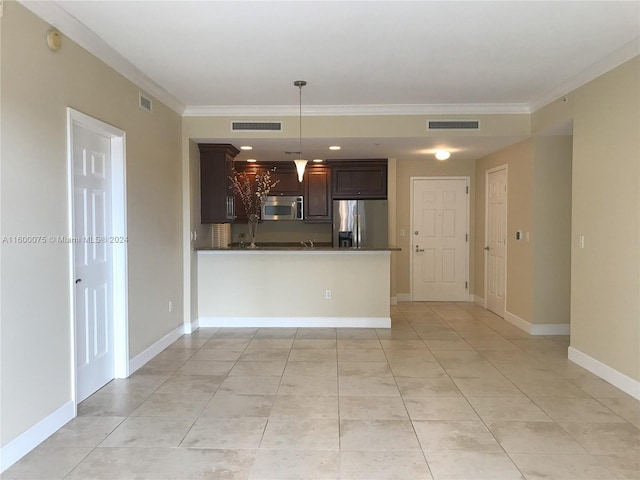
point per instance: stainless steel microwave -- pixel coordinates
(282, 208)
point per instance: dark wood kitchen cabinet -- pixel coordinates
(287, 176)
(250, 169)
(354, 179)
(317, 194)
(282, 172)
(217, 203)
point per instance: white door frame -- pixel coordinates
(411, 242)
(504, 167)
(119, 229)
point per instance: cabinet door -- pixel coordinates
(216, 198)
(287, 177)
(317, 194)
(251, 170)
(359, 179)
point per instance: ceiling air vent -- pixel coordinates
(453, 125)
(145, 103)
(256, 126)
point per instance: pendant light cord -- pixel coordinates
(300, 127)
(300, 84)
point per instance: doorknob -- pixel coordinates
(419, 249)
(486, 248)
(78, 280)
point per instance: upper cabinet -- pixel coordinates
(322, 183)
(217, 204)
(317, 194)
(285, 173)
(354, 179)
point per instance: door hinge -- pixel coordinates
(466, 285)
(467, 190)
(466, 237)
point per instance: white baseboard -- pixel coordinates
(550, 329)
(190, 327)
(404, 297)
(139, 360)
(27, 441)
(605, 372)
(537, 328)
(479, 301)
(394, 301)
(517, 321)
(300, 322)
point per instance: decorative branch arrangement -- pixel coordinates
(252, 189)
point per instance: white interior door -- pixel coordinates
(439, 239)
(496, 240)
(93, 269)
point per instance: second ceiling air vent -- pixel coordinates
(453, 125)
(256, 126)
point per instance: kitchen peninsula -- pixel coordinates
(294, 287)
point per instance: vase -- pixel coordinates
(253, 227)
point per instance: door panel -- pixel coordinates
(439, 241)
(92, 261)
(496, 240)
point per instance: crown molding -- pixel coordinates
(354, 110)
(602, 66)
(58, 17)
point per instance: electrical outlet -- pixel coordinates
(170, 306)
(327, 294)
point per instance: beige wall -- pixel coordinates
(293, 284)
(552, 229)
(383, 126)
(429, 167)
(605, 275)
(37, 86)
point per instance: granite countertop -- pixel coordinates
(297, 247)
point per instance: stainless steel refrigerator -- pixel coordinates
(360, 223)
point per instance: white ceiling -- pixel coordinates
(239, 57)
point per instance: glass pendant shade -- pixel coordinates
(300, 165)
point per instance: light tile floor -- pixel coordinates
(449, 392)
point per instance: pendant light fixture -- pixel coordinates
(300, 163)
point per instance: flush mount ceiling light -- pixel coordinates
(300, 163)
(442, 155)
(246, 147)
(335, 147)
(318, 160)
(251, 160)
